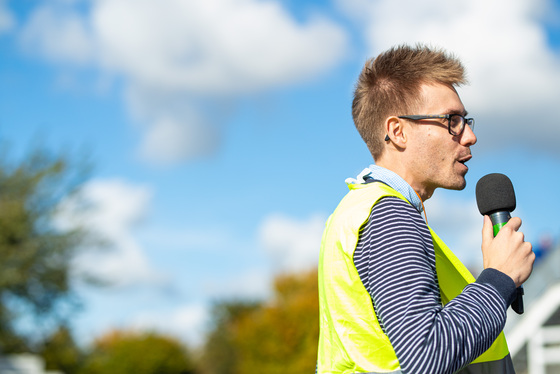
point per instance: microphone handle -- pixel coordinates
(499, 219)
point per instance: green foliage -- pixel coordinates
(140, 353)
(61, 352)
(276, 337)
(282, 337)
(34, 271)
(221, 354)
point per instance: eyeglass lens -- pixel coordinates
(457, 123)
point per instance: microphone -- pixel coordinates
(495, 197)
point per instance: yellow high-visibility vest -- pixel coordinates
(351, 339)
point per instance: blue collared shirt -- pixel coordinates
(390, 178)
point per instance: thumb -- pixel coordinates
(487, 230)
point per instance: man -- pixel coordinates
(393, 297)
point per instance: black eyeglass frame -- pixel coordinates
(448, 117)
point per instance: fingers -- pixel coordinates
(487, 230)
(508, 252)
(511, 233)
(514, 223)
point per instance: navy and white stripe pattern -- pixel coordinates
(396, 262)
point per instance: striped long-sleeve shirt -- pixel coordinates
(396, 262)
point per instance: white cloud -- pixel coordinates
(187, 323)
(7, 19)
(212, 46)
(292, 244)
(116, 207)
(207, 51)
(177, 128)
(170, 139)
(514, 74)
(58, 35)
(252, 283)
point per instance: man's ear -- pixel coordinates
(396, 132)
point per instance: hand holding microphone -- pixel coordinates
(503, 246)
(507, 252)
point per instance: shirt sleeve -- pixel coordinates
(396, 263)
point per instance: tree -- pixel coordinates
(221, 354)
(61, 352)
(279, 336)
(122, 352)
(283, 336)
(35, 254)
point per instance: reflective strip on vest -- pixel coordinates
(351, 339)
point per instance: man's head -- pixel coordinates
(390, 85)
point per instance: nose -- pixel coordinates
(468, 138)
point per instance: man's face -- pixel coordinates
(437, 158)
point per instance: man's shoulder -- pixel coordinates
(396, 206)
(391, 211)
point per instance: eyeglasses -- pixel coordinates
(455, 122)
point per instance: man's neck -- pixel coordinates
(401, 170)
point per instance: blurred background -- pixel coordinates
(167, 167)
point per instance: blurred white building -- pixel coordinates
(534, 337)
(24, 363)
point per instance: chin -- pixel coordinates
(459, 185)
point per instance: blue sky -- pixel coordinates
(221, 134)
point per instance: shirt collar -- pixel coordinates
(375, 173)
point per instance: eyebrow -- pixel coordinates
(462, 113)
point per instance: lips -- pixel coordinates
(464, 159)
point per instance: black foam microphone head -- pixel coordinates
(494, 192)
